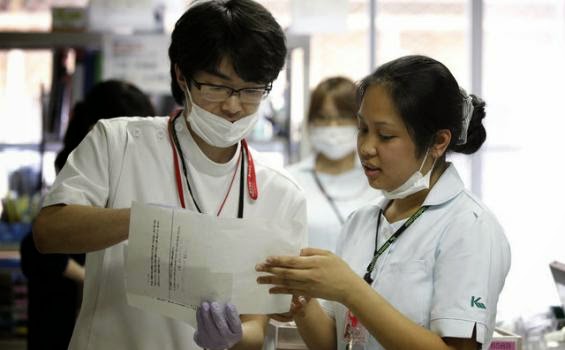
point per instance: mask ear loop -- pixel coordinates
(187, 96)
(424, 161)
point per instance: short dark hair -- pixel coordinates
(342, 90)
(106, 99)
(243, 31)
(428, 98)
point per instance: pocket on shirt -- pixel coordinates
(407, 286)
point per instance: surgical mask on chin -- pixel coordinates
(215, 130)
(334, 142)
(415, 183)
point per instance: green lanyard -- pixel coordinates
(389, 241)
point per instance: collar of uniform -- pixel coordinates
(447, 187)
(196, 158)
(308, 163)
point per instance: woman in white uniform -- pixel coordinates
(424, 267)
(224, 56)
(332, 177)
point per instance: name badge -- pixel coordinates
(354, 334)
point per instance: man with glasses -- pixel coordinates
(224, 57)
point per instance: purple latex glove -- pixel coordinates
(219, 326)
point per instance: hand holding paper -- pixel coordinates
(178, 258)
(219, 326)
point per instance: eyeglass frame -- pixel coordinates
(267, 88)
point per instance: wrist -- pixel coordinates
(355, 291)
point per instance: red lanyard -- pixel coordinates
(251, 177)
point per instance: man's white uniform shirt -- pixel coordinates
(130, 159)
(349, 191)
(445, 272)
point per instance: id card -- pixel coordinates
(354, 334)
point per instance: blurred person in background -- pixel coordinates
(332, 177)
(55, 280)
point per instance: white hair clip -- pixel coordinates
(467, 115)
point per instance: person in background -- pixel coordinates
(424, 267)
(332, 177)
(224, 56)
(55, 280)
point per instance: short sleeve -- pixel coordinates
(85, 177)
(473, 259)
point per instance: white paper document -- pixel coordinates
(178, 258)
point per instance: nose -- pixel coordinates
(366, 146)
(232, 105)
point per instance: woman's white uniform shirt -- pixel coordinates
(445, 272)
(127, 159)
(349, 191)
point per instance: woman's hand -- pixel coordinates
(296, 309)
(315, 273)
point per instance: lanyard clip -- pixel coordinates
(368, 278)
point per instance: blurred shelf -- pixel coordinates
(53, 146)
(9, 250)
(49, 40)
(11, 343)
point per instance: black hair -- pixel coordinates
(242, 31)
(428, 99)
(106, 99)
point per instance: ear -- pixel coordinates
(180, 77)
(441, 142)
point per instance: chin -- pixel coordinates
(375, 184)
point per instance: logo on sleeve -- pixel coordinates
(476, 302)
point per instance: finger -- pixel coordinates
(232, 317)
(304, 252)
(286, 317)
(201, 331)
(287, 290)
(294, 274)
(299, 301)
(303, 300)
(209, 324)
(287, 261)
(219, 318)
(286, 281)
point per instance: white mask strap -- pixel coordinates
(424, 161)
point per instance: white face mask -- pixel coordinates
(215, 130)
(334, 142)
(415, 183)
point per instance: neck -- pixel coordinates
(403, 208)
(215, 154)
(334, 167)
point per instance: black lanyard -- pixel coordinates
(184, 169)
(389, 241)
(328, 198)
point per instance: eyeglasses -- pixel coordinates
(220, 93)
